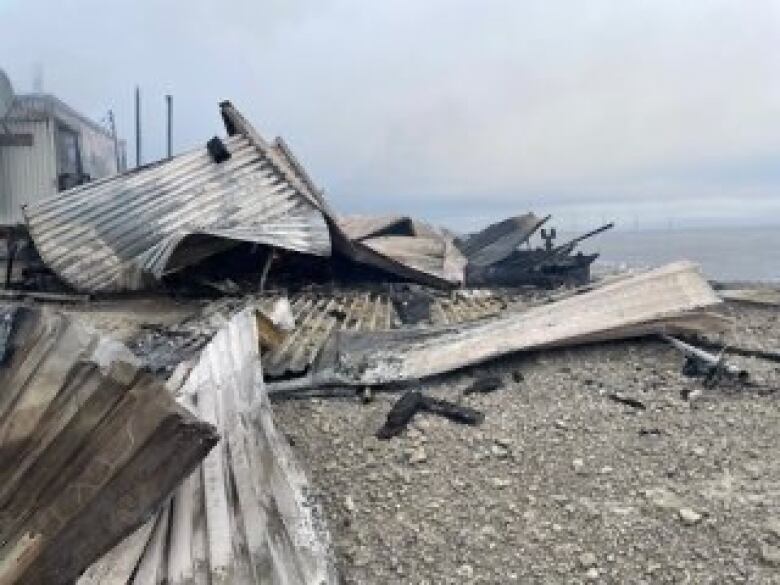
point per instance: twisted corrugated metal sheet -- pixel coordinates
(125, 232)
(497, 241)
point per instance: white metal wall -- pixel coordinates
(27, 173)
(97, 153)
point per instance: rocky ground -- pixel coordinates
(560, 484)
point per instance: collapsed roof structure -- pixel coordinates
(189, 480)
(128, 231)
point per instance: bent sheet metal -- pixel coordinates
(127, 231)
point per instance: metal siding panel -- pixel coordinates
(97, 153)
(27, 174)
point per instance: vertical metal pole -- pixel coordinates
(169, 103)
(137, 126)
(112, 124)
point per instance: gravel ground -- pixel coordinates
(560, 484)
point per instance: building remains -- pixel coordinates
(158, 461)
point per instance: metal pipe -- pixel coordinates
(704, 356)
(169, 104)
(137, 126)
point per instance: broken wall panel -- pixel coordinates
(245, 515)
(401, 246)
(667, 299)
(430, 260)
(90, 444)
(128, 231)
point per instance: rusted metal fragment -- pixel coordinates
(670, 299)
(90, 444)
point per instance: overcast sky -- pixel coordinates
(459, 111)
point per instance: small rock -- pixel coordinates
(587, 560)
(688, 516)
(578, 465)
(770, 554)
(773, 526)
(418, 455)
(501, 442)
(753, 470)
(466, 571)
(592, 574)
(413, 433)
(349, 504)
(499, 451)
(653, 568)
(500, 482)
(590, 509)
(663, 498)
(699, 451)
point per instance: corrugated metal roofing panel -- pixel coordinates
(319, 315)
(359, 227)
(121, 233)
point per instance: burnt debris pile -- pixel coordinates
(157, 460)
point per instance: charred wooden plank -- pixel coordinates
(90, 445)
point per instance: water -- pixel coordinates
(725, 254)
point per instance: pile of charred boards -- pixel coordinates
(158, 461)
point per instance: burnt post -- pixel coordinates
(548, 237)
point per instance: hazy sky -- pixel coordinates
(459, 111)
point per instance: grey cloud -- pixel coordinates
(446, 107)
